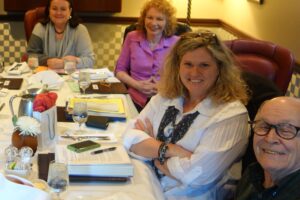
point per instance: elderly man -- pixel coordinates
(277, 149)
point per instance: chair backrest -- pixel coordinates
(265, 59)
(31, 18)
(180, 29)
(261, 89)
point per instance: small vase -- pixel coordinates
(20, 141)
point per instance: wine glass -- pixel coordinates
(80, 114)
(69, 67)
(33, 62)
(58, 177)
(84, 80)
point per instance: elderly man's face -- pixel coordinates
(277, 155)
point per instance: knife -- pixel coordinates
(86, 137)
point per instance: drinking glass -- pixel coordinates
(84, 80)
(69, 67)
(80, 114)
(33, 62)
(58, 177)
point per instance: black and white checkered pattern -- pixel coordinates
(11, 50)
(294, 87)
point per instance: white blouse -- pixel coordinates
(217, 138)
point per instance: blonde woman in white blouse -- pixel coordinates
(195, 129)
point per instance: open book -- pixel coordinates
(107, 164)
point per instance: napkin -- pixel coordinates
(48, 77)
(18, 68)
(3, 92)
(12, 190)
(96, 74)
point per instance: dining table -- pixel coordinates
(143, 185)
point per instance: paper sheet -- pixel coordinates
(118, 156)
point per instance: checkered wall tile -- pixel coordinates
(107, 41)
(10, 50)
(294, 86)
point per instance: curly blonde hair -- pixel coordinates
(228, 87)
(166, 8)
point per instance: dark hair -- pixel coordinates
(73, 21)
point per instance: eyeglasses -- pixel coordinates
(284, 130)
(206, 36)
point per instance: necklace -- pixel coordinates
(152, 44)
(58, 31)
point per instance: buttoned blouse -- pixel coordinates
(217, 138)
(138, 60)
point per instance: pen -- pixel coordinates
(104, 150)
(2, 106)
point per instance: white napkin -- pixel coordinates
(11, 190)
(96, 74)
(18, 68)
(49, 77)
(3, 92)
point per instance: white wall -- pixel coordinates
(276, 20)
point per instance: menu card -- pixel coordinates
(11, 83)
(106, 88)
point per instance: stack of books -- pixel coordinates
(108, 165)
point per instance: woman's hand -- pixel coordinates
(146, 127)
(71, 58)
(163, 168)
(176, 150)
(55, 63)
(148, 87)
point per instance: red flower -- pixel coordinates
(44, 101)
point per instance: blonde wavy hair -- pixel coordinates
(228, 87)
(166, 8)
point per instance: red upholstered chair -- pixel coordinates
(264, 58)
(31, 18)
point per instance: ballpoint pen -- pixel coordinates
(104, 150)
(2, 106)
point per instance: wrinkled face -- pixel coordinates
(60, 12)
(198, 72)
(155, 22)
(275, 154)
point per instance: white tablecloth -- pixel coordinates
(144, 185)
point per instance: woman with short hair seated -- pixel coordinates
(195, 129)
(60, 36)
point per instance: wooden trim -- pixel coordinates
(234, 31)
(110, 20)
(79, 5)
(202, 22)
(12, 17)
